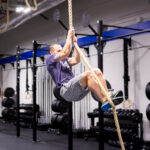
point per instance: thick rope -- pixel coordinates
(97, 79)
(32, 8)
(7, 23)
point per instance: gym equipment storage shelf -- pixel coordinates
(131, 126)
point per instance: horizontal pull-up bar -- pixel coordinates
(24, 68)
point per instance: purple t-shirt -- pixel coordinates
(60, 71)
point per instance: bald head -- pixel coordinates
(55, 48)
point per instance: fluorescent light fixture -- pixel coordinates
(26, 10)
(19, 9)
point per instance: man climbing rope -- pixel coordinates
(74, 88)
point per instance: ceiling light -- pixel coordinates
(19, 9)
(26, 10)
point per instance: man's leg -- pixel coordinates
(88, 80)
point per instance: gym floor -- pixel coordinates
(46, 141)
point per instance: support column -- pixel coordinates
(70, 134)
(35, 46)
(126, 43)
(18, 90)
(100, 66)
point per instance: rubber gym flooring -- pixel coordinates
(46, 141)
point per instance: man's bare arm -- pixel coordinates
(66, 49)
(57, 57)
(76, 59)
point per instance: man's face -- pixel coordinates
(56, 48)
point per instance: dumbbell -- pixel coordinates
(135, 115)
(8, 113)
(8, 102)
(108, 114)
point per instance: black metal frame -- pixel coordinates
(100, 46)
(27, 80)
(70, 133)
(100, 66)
(35, 46)
(18, 90)
(126, 43)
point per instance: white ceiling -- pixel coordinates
(16, 19)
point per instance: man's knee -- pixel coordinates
(86, 74)
(84, 79)
(88, 77)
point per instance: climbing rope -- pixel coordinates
(7, 23)
(97, 79)
(32, 8)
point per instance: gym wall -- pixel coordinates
(128, 12)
